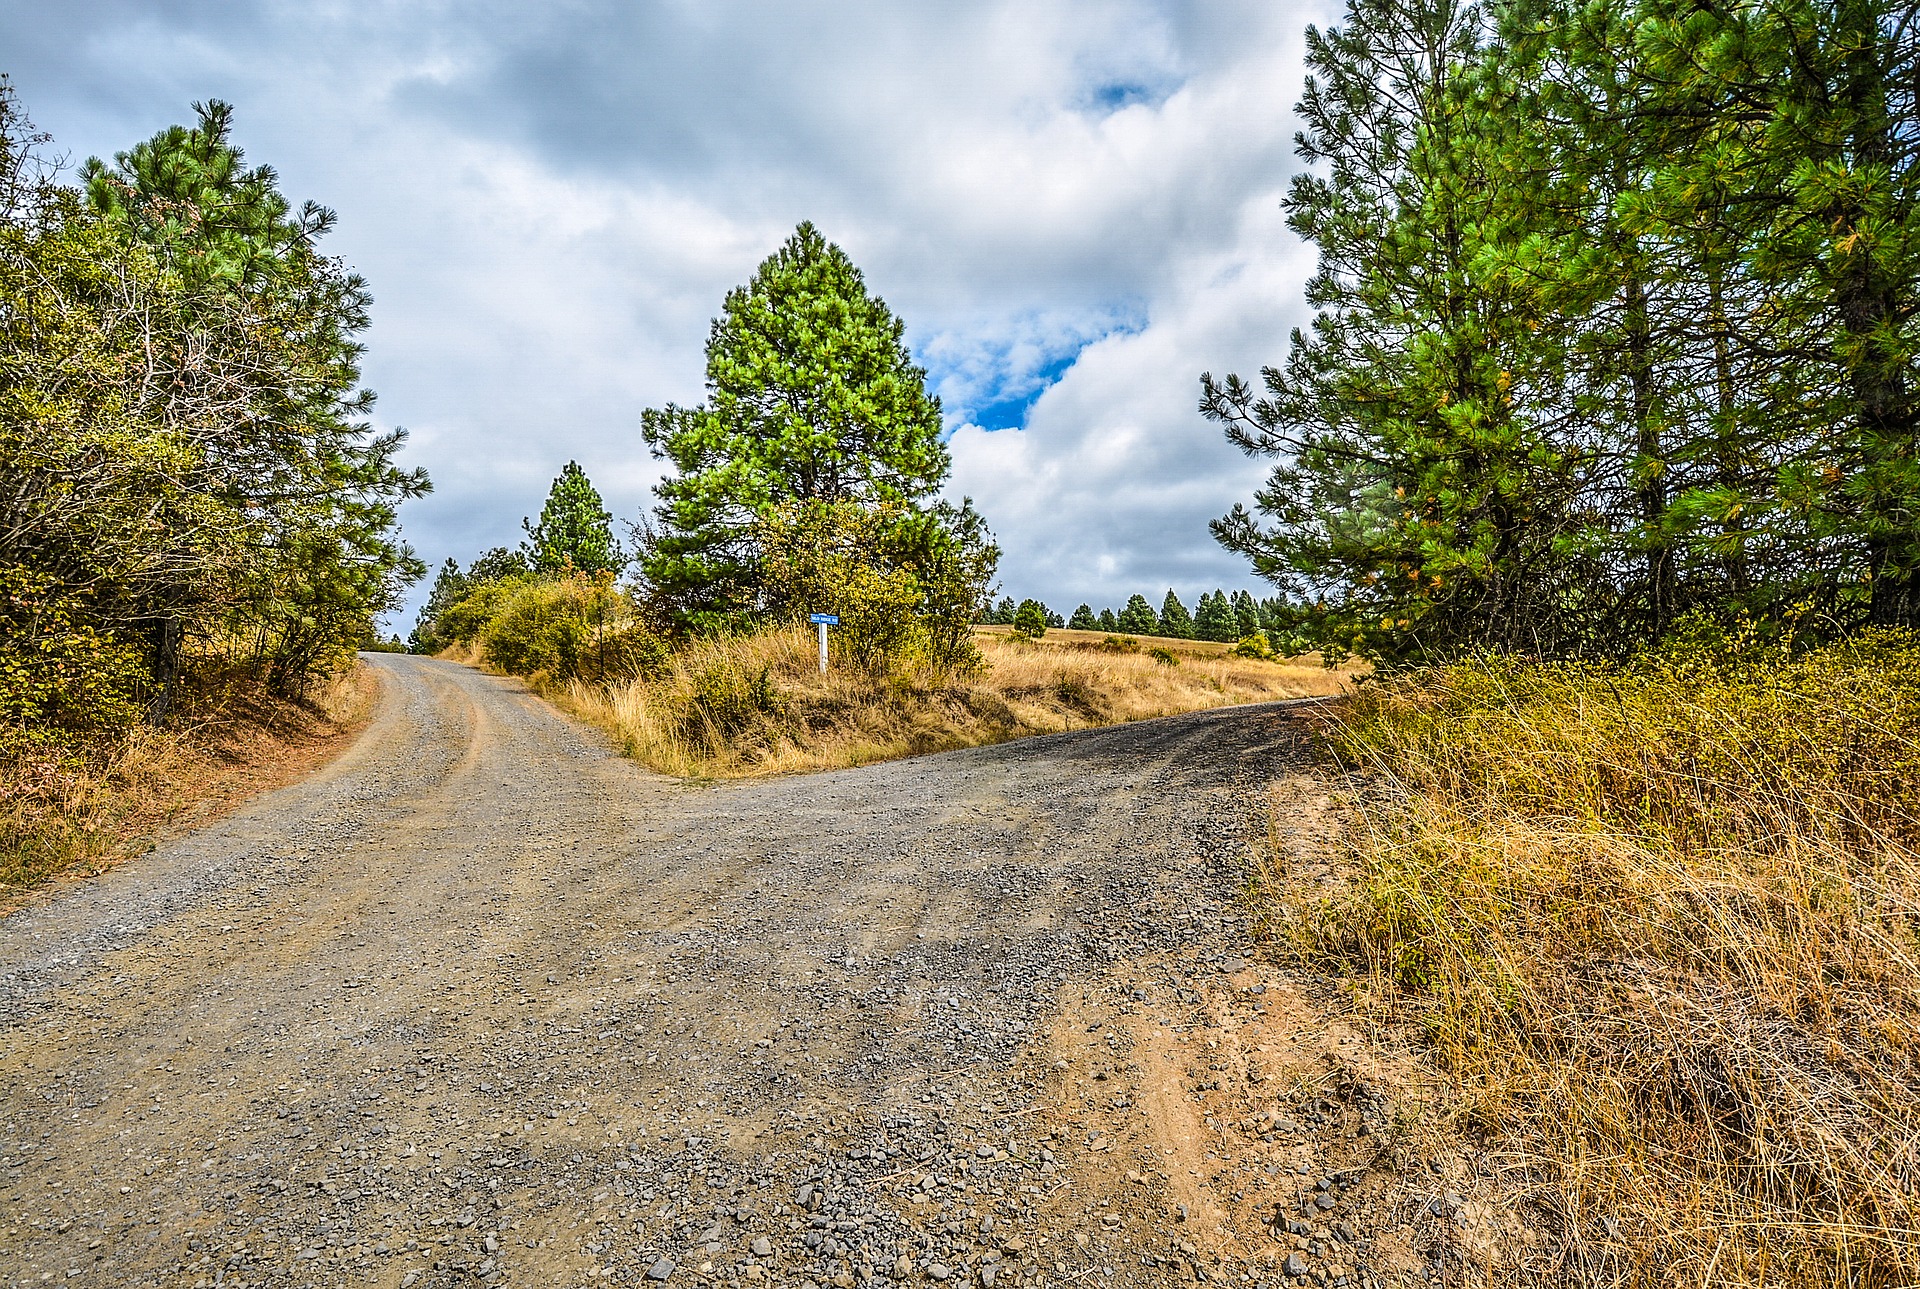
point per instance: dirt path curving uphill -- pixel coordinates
(485, 1003)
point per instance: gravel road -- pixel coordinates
(484, 1003)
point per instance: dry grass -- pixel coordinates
(757, 704)
(80, 807)
(1660, 931)
(1067, 638)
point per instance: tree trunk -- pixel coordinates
(1651, 486)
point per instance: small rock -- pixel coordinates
(762, 1247)
(1294, 1266)
(939, 1270)
(661, 1269)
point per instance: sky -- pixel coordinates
(1074, 207)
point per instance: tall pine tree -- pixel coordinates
(1175, 621)
(574, 531)
(1215, 618)
(1137, 617)
(811, 397)
(1414, 492)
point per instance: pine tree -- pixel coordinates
(1137, 618)
(1246, 616)
(239, 342)
(1030, 619)
(1083, 619)
(1215, 619)
(575, 531)
(449, 587)
(1411, 484)
(1619, 306)
(811, 396)
(1175, 621)
(497, 565)
(1788, 141)
(188, 191)
(1108, 622)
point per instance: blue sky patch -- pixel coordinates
(993, 373)
(1118, 94)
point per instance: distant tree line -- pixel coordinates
(1618, 309)
(1216, 616)
(188, 480)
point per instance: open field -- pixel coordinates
(756, 705)
(1067, 638)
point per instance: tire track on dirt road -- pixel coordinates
(485, 1003)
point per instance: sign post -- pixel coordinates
(823, 621)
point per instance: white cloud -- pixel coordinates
(550, 202)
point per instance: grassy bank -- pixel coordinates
(1659, 929)
(758, 705)
(83, 805)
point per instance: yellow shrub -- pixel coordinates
(569, 628)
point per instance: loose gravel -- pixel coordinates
(484, 1003)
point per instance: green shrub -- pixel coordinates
(462, 622)
(571, 628)
(535, 632)
(1164, 656)
(1030, 619)
(623, 654)
(57, 672)
(876, 609)
(904, 582)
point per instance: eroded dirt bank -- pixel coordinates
(483, 1003)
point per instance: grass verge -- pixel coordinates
(79, 808)
(757, 704)
(1659, 930)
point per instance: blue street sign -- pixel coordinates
(826, 619)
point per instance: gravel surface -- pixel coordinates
(484, 1003)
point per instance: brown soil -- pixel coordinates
(251, 744)
(258, 745)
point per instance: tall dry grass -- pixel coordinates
(757, 704)
(1660, 930)
(84, 802)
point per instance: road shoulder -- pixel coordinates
(176, 784)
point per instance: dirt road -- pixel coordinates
(485, 1003)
